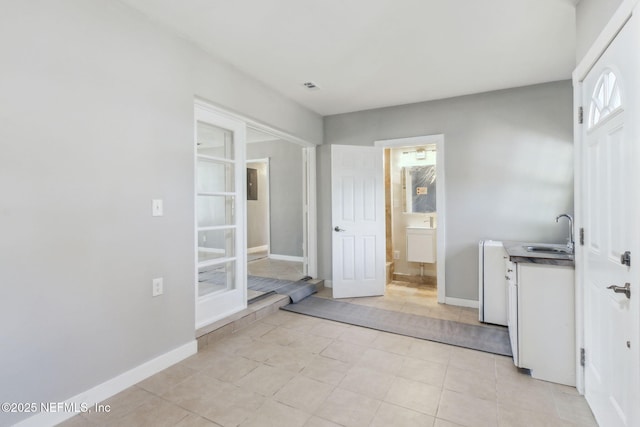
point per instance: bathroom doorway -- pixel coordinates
(414, 213)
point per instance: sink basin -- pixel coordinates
(549, 249)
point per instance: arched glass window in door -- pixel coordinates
(605, 99)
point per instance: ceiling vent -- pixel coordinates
(310, 85)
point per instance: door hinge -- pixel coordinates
(582, 356)
(580, 115)
(582, 236)
(625, 258)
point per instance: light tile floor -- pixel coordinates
(293, 370)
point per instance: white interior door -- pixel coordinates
(221, 285)
(610, 209)
(357, 189)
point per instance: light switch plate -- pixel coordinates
(156, 207)
(157, 287)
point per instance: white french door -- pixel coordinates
(610, 151)
(220, 195)
(357, 190)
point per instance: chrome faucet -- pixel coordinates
(570, 242)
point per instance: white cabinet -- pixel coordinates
(421, 244)
(542, 320)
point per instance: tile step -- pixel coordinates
(256, 311)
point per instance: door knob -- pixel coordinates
(339, 229)
(626, 289)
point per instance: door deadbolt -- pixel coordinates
(626, 289)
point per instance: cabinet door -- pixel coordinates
(546, 322)
(421, 246)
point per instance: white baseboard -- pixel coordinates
(286, 257)
(113, 386)
(462, 302)
(328, 284)
(257, 249)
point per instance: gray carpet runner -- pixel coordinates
(297, 291)
(484, 338)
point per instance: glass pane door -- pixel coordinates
(219, 163)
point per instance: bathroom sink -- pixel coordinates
(549, 249)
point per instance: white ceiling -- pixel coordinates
(366, 54)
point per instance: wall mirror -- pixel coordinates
(419, 189)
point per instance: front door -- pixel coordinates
(358, 224)
(220, 194)
(610, 162)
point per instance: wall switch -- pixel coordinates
(157, 287)
(396, 254)
(156, 207)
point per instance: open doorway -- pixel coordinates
(415, 211)
(411, 220)
(276, 200)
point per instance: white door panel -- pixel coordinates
(221, 285)
(358, 221)
(610, 208)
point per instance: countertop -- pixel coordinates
(518, 253)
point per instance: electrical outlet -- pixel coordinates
(396, 254)
(157, 287)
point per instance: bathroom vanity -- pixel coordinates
(541, 310)
(421, 244)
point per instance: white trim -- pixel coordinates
(254, 124)
(312, 225)
(578, 224)
(462, 302)
(114, 386)
(286, 257)
(311, 232)
(609, 32)
(255, 249)
(209, 308)
(211, 250)
(215, 159)
(311, 212)
(438, 140)
(328, 283)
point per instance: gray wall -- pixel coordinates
(258, 210)
(286, 193)
(591, 18)
(96, 119)
(509, 168)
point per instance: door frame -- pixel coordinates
(602, 42)
(310, 235)
(220, 304)
(438, 140)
